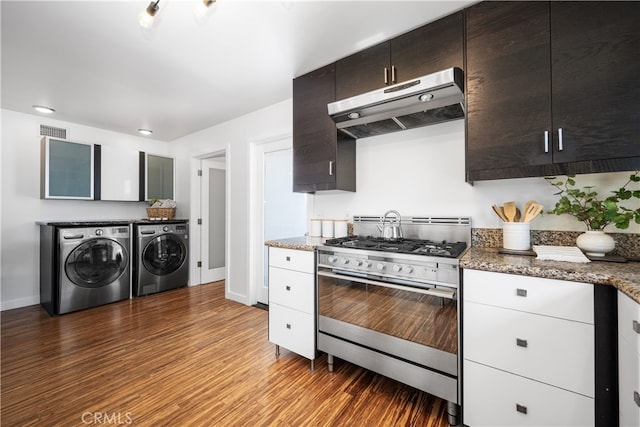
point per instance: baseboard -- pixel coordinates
(19, 302)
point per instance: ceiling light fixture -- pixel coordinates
(147, 17)
(43, 109)
(145, 132)
(202, 9)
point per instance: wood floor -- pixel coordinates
(186, 357)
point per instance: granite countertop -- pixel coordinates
(623, 276)
(304, 243)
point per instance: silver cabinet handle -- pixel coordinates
(636, 326)
(330, 167)
(560, 145)
(521, 408)
(287, 287)
(386, 76)
(521, 343)
(288, 258)
(521, 292)
(393, 74)
(546, 141)
(636, 397)
(288, 325)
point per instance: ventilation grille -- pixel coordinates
(51, 131)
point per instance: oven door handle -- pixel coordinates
(432, 291)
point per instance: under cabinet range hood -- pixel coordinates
(427, 100)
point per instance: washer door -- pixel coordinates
(164, 254)
(96, 263)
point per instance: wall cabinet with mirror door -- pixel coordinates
(158, 180)
(557, 82)
(67, 169)
(118, 174)
(428, 49)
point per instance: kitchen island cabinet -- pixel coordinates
(629, 360)
(323, 159)
(428, 49)
(292, 307)
(556, 80)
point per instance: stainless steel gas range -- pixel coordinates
(391, 305)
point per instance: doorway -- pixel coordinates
(213, 215)
(281, 213)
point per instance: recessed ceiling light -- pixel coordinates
(43, 109)
(145, 132)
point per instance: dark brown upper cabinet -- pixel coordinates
(322, 159)
(552, 88)
(427, 49)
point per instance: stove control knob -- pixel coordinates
(397, 268)
(408, 269)
(367, 264)
(332, 259)
(345, 261)
(380, 266)
(358, 262)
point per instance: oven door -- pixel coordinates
(414, 324)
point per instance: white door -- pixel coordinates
(213, 216)
(284, 213)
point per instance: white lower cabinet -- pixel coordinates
(528, 351)
(493, 397)
(629, 361)
(292, 301)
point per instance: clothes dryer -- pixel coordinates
(161, 253)
(83, 265)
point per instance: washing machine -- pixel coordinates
(161, 253)
(83, 265)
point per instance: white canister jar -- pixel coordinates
(327, 228)
(516, 236)
(340, 228)
(315, 228)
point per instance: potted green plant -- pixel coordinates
(596, 212)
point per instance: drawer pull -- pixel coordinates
(636, 398)
(521, 408)
(288, 258)
(521, 292)
(288, 287)
(288, 325)
(636, 326)
(521, 343)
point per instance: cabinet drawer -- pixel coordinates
(496, 398)
(629, 377)
(549, 297)
(629, 320)
(292, 329)
(292, 259)
(554, 351)
(292, 289)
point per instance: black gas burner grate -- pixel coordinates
(406, 246)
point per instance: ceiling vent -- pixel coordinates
(51, 131)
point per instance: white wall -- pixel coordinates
(22, 206)
(236, 137)
(421, 172)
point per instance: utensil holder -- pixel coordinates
(516, 235)
(327, 228)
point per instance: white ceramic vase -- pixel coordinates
(595, 243)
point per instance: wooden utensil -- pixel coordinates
(516, 218)
(528, 205)
(534, 211)
(498, 210)
(509, 210)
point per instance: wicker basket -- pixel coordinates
(161, 213)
